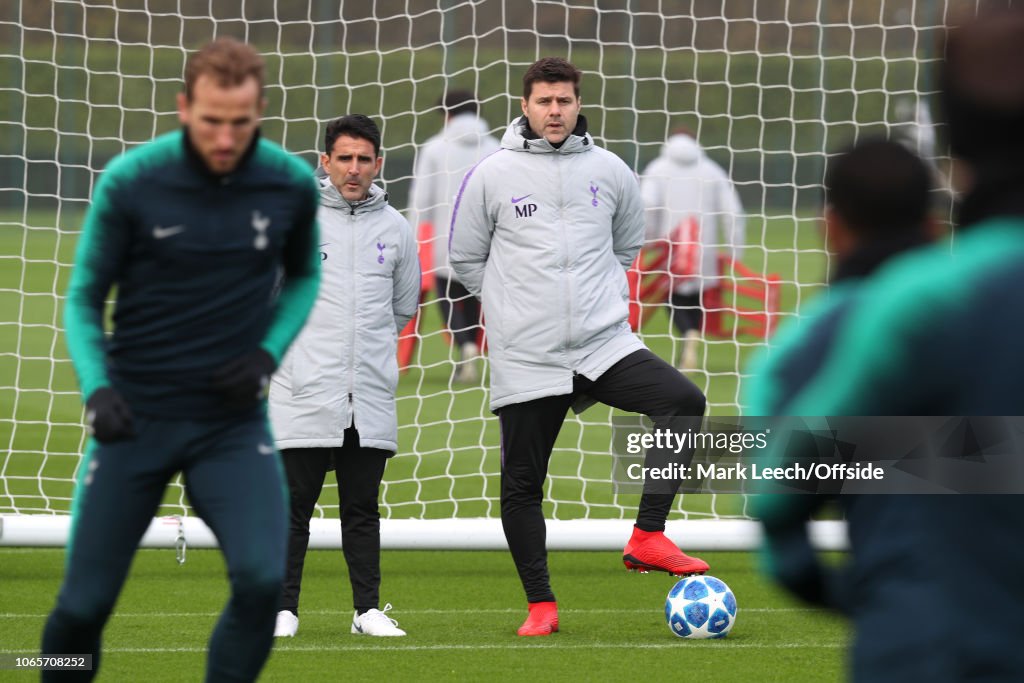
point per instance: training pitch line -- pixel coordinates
(510, 610)
(512, 645)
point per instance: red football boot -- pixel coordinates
(652, 550)
(543, 620)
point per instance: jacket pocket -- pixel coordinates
(303, 370)
(285, 375)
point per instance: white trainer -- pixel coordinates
(466, 370)
(689, 361)
(376, 622)
(287, 624)
(470, 351)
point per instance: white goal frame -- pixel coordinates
(769, 93)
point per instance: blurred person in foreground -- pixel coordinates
(194, 230)
(953, 320)
(876, 210)
(877, 198)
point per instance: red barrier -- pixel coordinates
(409, 337)
(744, 304)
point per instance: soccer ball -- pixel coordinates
(700, 607)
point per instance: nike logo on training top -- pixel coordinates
(160, 233)
(516, 200)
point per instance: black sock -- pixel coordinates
(653, 511)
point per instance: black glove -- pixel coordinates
(108, 416)
(246, 379)
(794, 563)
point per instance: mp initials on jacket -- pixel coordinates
(544, 235)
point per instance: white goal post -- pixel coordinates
(769, 92)
(421, 534)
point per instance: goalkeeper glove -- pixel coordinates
(108, 416)
(246, 379)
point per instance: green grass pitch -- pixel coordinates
(460, 609)
(448, 459)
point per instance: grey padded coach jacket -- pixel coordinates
(544, 236)
(343, 367)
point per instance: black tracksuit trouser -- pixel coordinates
(359, 472)
(460, 311)
(640, 383)
(233, 481)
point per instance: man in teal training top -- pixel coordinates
(877, 211)
(195, 229)
(951, 321)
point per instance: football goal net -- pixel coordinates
(767, 90)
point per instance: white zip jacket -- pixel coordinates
(684, 183)
(343, 368)
(544, 237)
(440, 165)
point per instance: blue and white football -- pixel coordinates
(700, 607)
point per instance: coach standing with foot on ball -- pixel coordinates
(543, 231)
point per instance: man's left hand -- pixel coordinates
(246, 379)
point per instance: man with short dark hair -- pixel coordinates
(877, 197)
(193, 229)
(332, 403)
(543, 231)
(441, 163)
(876, 209)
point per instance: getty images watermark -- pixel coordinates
(724, 468)
(830, 455)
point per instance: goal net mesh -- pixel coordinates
(769, 89)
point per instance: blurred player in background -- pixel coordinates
(544, 230)
(193, 229)
(332, 403)
(952, 324)
(441, 163)
(691, 202)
